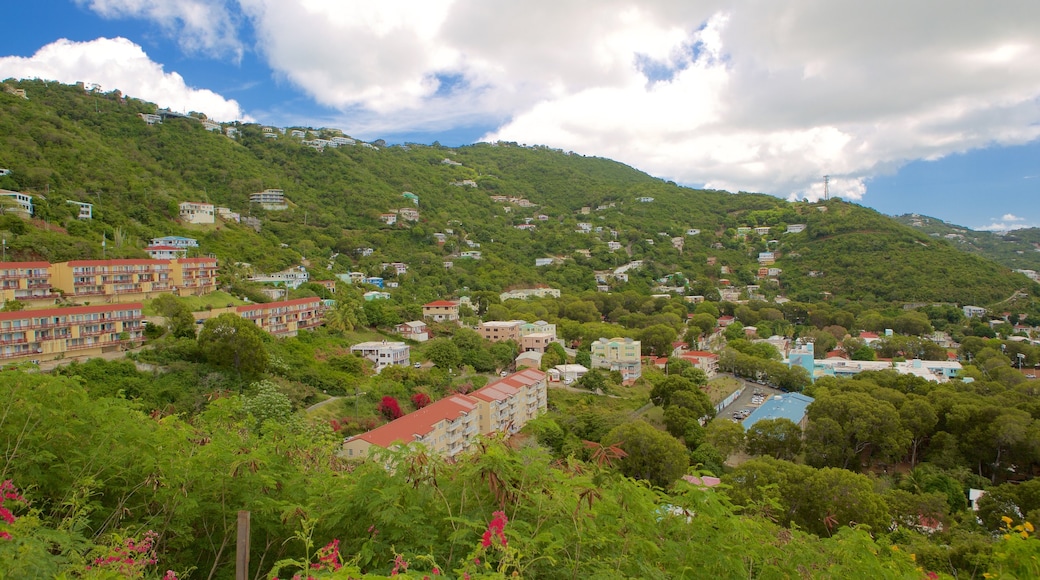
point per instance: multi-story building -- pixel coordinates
(507, 404)
(292, 278)
(26, 281)
(618, 354)
(85, 210)
(706, 361)
(113, 280)
(285, 318)
(270, 199)
(449, 426)
(441, 311)
(197, 213)
(524, 293)
(21, 202)
(536, 341)
(383, 353)
(176, 242)
(73, 331)
(165, 252)
(500, 330)
(194, 276)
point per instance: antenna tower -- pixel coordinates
(826, 187)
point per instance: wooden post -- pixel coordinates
(242, 550)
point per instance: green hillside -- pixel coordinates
(1019, 249)
(66, 144)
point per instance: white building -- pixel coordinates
(197, 213)
(292, 278)
(270, 199)
(383, 353)
(86, 210)
(524, 293)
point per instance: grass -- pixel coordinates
(721, 387)
(216, 299)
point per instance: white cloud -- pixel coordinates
(1010, 217)
(117, 63)
(995, 226)
(202, 26)
(734, 94)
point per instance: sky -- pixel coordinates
(929, 107)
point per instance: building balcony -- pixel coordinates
(21, 340)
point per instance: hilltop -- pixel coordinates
(510, 203)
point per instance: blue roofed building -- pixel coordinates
(787, 406)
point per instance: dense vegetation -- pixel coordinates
(63, 143)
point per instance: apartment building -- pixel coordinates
(284, 318)
(500, 330)
(536, 341)
(122, 280)
(449, 426)
(26, 281)
(194, 276)
(383, 353)
(74, 331)
(618, 354)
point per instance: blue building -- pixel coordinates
(787, 406)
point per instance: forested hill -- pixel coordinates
(63, 143)
(1019, 249)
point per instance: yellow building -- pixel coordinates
(194, 276)
(285, 318)
(618, 354)
(26, 282)
(75, 331)
(112, 280)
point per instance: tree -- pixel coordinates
(233, 342)
(845, 427)
(443, 353)
(778, 438)
(180, 322)
(651, 454)
(268, 404)
(838, 497)
(663, 389)
(725, 435)
(389, 407)
(657, 339)
(420, 400)
(919, 419)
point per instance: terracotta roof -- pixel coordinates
(13, 265)
(508, 386)
(421, 422)
(45, 312)
(268, 305)
(126, 262)
(699, 354)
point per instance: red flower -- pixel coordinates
(496, 528)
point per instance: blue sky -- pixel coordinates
(905, 113)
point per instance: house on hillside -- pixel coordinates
(196, 213)
(441, 311)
